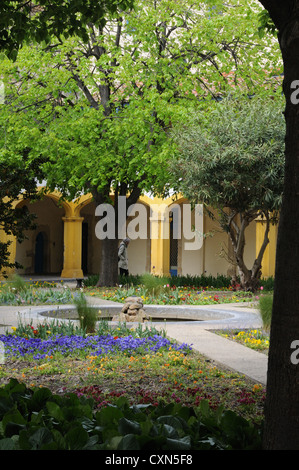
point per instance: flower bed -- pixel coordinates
(34, 295)
(124, 368)
(140, 364)
(172, 295)
(37, 348)
(255, 339)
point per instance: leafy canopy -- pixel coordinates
(233, 156)
(24, 21)
(104, 106)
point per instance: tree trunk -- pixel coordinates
(108, 272)
(282, 400)
(108, 276)
(249, 278)
(108, 269)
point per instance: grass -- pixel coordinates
(265, 306)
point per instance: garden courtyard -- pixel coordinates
(82, 381)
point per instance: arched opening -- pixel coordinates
(42, 250)
(139, 249)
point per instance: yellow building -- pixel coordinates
(65, 242)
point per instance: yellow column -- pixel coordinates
(72, 262)
(268, 262)
(12, 250)
(160, 244)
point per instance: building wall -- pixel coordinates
(138, 251)
(71, 245)
(215, 255)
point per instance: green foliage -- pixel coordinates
(107, 109)
(35, 419)
(46, 329)
(88, 316)
(18, 181)
(42, 20)
(204, 281)
(265, 308)
(268, 283)
(153, 285)
(234, 157)
(231, 160)
(19, 292)
(104, 327)
(17, 284)
(266, 24)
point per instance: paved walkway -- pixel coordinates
(198, 333)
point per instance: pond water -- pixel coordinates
(155, 313)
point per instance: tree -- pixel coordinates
(23, 22)
(19, 176)
(232, 161)
(40, 20)
(18, 181)
(107, 104)
(282, 406)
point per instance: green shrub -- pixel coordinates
(268, 284)
(16, 285)
(45, 329)
(35, 419)
(88, 316)
(265, 308)
(153, 285)
(219, 281)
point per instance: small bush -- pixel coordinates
(268, 284)
(88, 316)
(18, 284)
(153, 285)
(218, 282)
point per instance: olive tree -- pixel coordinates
(232, 161)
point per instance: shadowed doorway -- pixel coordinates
(39, 253)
